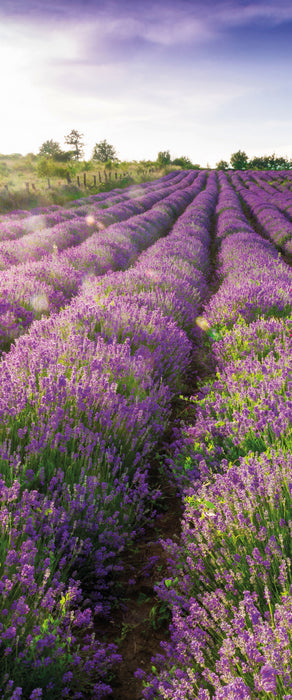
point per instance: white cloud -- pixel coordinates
(116, 77)
(231, 14)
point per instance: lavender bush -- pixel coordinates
(35, 289)
(229, 582)
(85, 396)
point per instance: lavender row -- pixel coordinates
(29, 291)
(21, 221)
(229, 581)
(84, 397)
(281, 199)
(86, 220)
(274, 224)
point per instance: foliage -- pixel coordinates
(75, 139)
(185, 163)
(163, 158)
(272, 162)
(47, 167)
(222, 165)
(50, 148)
(104, 151)
(239, 160)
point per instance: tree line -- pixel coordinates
(240, 161)
(104, 152)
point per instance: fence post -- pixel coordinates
(68, 177)
(84, 179)
(99, 176)
(78, 180)
(49, 184)
(94, 180)
(105, 175)
(116, 175)
(110, 175)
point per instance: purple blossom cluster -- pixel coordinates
(245, 260)
(41, 238)
(84, 398)
(34, 289)
(264, 209)
(22, 222)
(229, 584)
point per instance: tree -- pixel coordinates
(163, 158)
(272, 162)
(65, 156)
(239, 160)
(183, 161)
(222, 165)
(50, 149)
(103, 151)
(75, 139)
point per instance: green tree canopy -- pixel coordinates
(222, 165)
(163, 158)
(272, 162)
(103, 151)
(75, 139)
(50, 148)
(184, 162)
(239, 160)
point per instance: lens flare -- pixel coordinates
(88, 279)
(39, 302)
(202, 323)
(35, 223)
(152, 274)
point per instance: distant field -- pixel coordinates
(27, 182)
(145, 350)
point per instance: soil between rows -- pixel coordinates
(140, 624)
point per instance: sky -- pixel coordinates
(198, 78)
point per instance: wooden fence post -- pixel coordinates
(68, 177)
(94, 180)
(84, 179)
(99, 176)
(78, 180)
(105, 175)
(49, 184)
(116, 175)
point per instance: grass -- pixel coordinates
(16, 171)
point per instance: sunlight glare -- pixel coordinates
(202, 323)
(39, 302)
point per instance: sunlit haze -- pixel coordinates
(198, 78)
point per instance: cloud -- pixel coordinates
(167, 24)
(178, 75)
(232, 14)
(167, 27)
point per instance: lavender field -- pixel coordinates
(113, 311)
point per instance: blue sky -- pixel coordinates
(201, 78)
